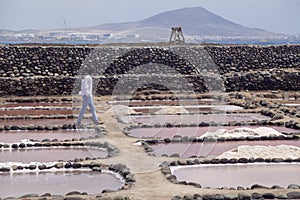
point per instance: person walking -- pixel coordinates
(87, 96)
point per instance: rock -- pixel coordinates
(268, 196)
(32, 167)
(281, 196)
(293, 186)
(293, 195)
(42, 167)
(188, 197)
(4, 169)
(73, 193)
(244, 196)
(256, 196)
(165, 170)
(26, 196)
(257, 186)
(231, 196)
(46, 195)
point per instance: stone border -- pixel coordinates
(146, 144)
(33, 117)
(38, 100)
(165, 170)
(111, 150)
(119, 169)
(288, 136)
(241, 196)
(100, 131)
(44, 127)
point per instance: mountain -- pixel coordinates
(193, 20)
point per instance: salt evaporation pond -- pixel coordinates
(245, 175)
(166, 132)
(57, 183)
(191, 108)
(60, 135)
(205, 149)
(37, 104)
(48, 122)
(167, 102)
(49, 154)
(190, 119)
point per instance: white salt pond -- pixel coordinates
(192, 118)
(205, 149)
(166, 132)
(245, 175)
(57, 183)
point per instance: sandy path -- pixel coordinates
(150, 182)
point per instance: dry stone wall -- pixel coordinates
(53, 70)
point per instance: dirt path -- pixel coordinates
(150, 182)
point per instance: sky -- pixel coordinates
(279, 16)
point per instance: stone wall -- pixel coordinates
(56, 70)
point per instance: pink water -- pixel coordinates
(48, 154)
(164, 132)
(205, 149)
(56, 183)
(245, 175)
(60, 135)
(49, 122)
(190, 119)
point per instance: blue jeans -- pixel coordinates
(87, 101)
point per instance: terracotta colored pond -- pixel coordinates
(245, 175)
(165, 132)
(186, 150)
(49, 154)
(190, 119)
(57, 183)
(60, 135)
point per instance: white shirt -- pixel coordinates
(86, 86)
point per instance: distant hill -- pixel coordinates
(194, 21)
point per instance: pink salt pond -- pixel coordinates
(205, 149)
(245, 175)
(191, 119)
(60, 135)
(165, 132)
(57, 183)
(49, 154)
(49, 122)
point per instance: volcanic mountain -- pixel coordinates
(193, 20)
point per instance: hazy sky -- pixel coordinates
(280, 16)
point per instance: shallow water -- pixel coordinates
(164, 132)
(205, 149)
(245, 175)
(190, 119)
(23, 122)
(56, 183)
(48, 154)
(60, 135)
